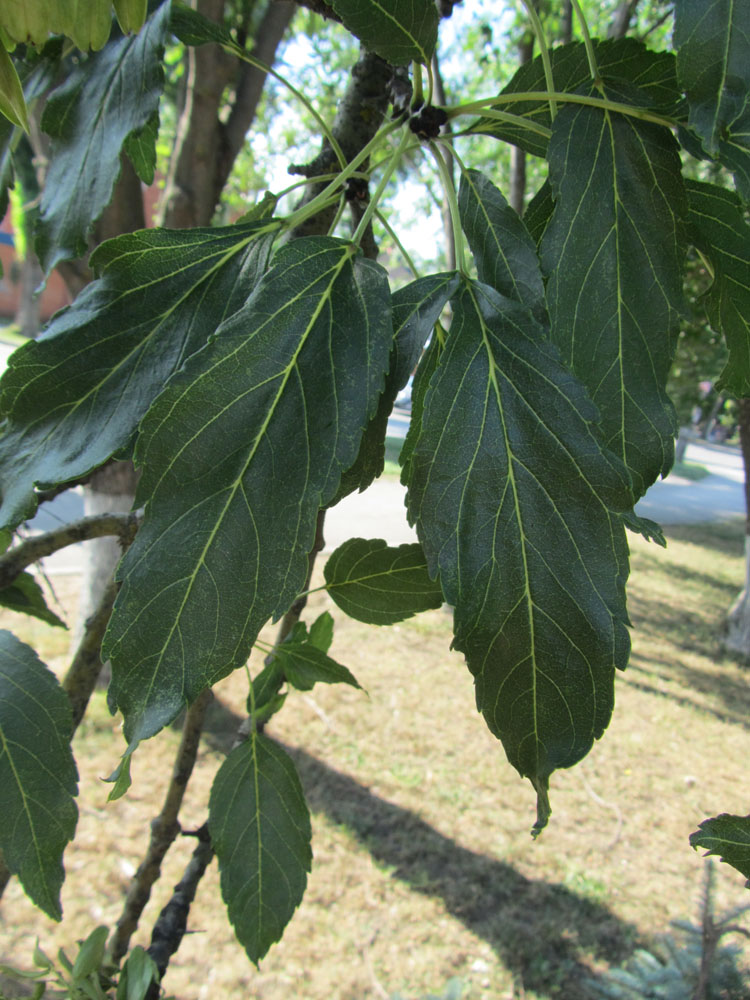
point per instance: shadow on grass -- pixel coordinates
(541, 932)
(726, 537)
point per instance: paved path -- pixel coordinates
(379, 512)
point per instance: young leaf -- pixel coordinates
(26, 596)
(91, 953)
(400, 31)
(728, 837)
(12, 103)
(321, 632)
(503, 250)
(623, 59)
(75, 396)
(538, 212)
(719, 230)
(304, 666)
(713, 63)
(130, 13)
(141, 149)
(138, 973)
(380, 585)
(614, 252)
(193, 28)
(416, 309)
(38, 778)
(509, 458)
(260, 830)
(239, 453)
(109, 96)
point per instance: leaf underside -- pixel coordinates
(713, 61)
(379, 584)
(508, 457)
(75, 396)
(25, 596)
(719, 230)
(400, 31)
(38, 777)
(123, 82)
(728, 837)
(614, 252)
(239, 453)
(260, 830)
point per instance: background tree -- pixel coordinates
(249, 370)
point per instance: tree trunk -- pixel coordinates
(737, 639)
(517, 155)
(621, 21)
(566, 22)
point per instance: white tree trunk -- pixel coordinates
(737, 638)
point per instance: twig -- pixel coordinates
(37, 547)
(86, 665)
(171, 924)
(164, 830)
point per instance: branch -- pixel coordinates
(37, 547)
(164, 830)
(171, 924)
(86, 665)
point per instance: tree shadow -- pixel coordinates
(541, 932)
(726, 537)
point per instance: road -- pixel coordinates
(379, 512)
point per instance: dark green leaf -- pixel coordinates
(713, 63)
(12, 103)
(321, 632)
(304, 666)
(728, 837)
(538, 212)
(509, 458)
(614, 252)
(719, 230)
(38, 779)
(138, 972)
(260, 830)
(263, 699)
(380, 585)
(624, 59)
(401, 31)
(503, 250)
(425, 371)
(416, 310)
(141, 149)
(239, 453)
(75, 396)
(123, 83)
(193, 28)
(25, 596)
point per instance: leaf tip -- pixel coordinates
(543, 808)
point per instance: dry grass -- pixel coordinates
(424, 868)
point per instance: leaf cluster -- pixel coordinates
(250, 372)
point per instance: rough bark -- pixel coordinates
(737, 638)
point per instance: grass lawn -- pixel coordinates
(424, 868)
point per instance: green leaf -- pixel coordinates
(141, 149)
(138, 972)
(713, 62)
(38, 778)
(416, 310)
(729, 838)
(123, 83)
(400, 31)
(624, 59)
(304, 665)
(75, 396)
(25, 596)
(193, 28)
(503, 250)
(378, 584)
(239, 453)
(422, 378)
(509, 457)
(321, 632)
(260, 830)
(538, 212)
(130, 13)
(12, 102)
(719, 230)
(91, 953)
(614, 252)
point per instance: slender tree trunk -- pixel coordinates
(737, 639)
(518, 156)
(566, 22)
(622, 18)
